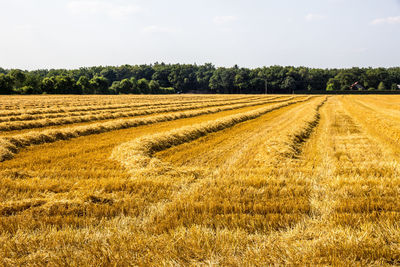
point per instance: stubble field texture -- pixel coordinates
(189, 180)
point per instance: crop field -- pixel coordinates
(189, 180)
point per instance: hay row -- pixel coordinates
(127, 103)
(11, 145)
(94, 110)
(21, 125)
(138, 153)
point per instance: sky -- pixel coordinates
(38, 34)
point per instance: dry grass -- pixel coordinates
(26, 105)
(19, 124)
(144, 108)
(11, 144)
(309, 181)
(138, 153)
(129, 104)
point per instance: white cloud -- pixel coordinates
(224, 19)
(312, 17)
(93, 7)
(159, 29)
(388, 20)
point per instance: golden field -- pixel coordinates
(189, 180)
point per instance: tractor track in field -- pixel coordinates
(196, 178)
(346, 166)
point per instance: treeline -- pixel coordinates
(163, 78)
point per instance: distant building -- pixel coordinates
(356, 86)
(398, 86)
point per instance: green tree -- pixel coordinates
(48, 85)
(115, 87)
(167, 90)
(6, 84)
(274, 75)
(161, 73)
(381, 86)
(373, 77)
(191, 77)
(99, 85)
(203, 76)
(33, 83)
(346, 79)
(289, 84)
(25, 90)
(242, 81)
(143, 86)
(64, 84)
(142, 71)
(223, 80)
(125, 86)
(183, 77)
(135, 88)
(124, 72)
(216, 83)
(317, 79)
(333, 85)
(110, 74)
(154, 87)
(84, 84)
(257, 85)
(18, 76)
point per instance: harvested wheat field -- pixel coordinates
(185, 180)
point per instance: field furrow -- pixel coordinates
(383, 124)
(239, 189)
(354, 197)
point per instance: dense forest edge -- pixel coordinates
(160, 78)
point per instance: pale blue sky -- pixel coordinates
(315, 33)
